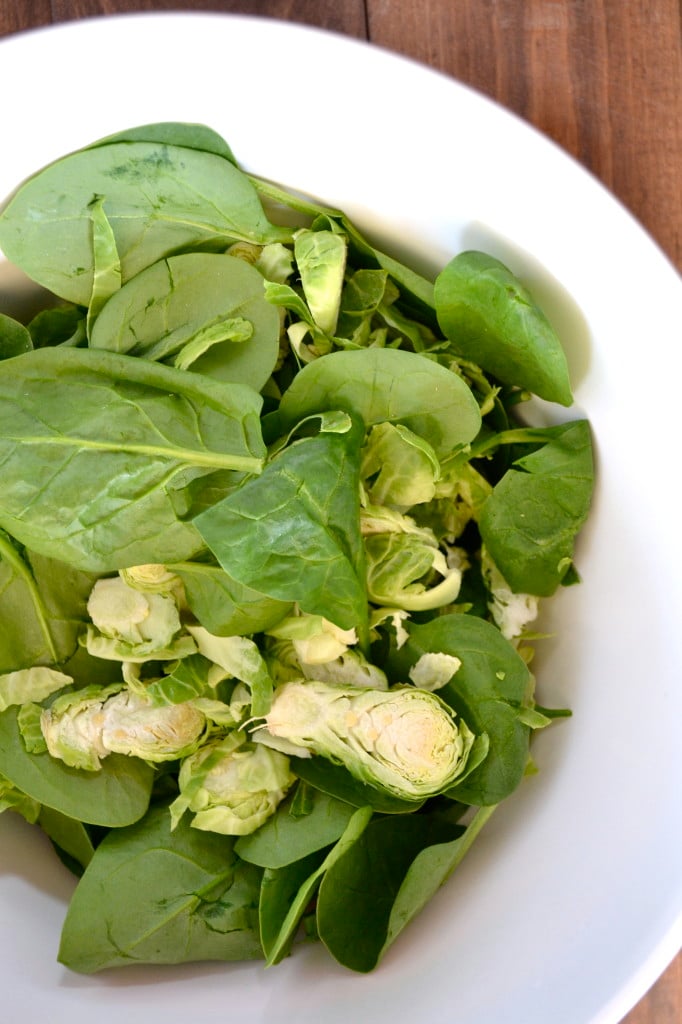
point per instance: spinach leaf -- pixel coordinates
(98, 450)
(118, 794)
(530, 521)
(489, 691)
(336, 781)
(58, 325)
(383, 880)
(285, 896)
(222, 605)
(150, 895)
(387, 385)
(287, 837)
(14, 337)
(179, 301)
(492, 319)
(357, 893)
(159, 198)
(70, 837)
(286, 892)
(293, 533)
(173, 133)
(45, 602)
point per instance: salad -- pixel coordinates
(273, 538)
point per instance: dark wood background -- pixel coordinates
(603, 78)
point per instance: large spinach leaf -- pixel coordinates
(358, 891)
(116, 795)
(159, 198)
(98, 451)
(150, 895)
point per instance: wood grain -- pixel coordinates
(603, 78)
(347, 17)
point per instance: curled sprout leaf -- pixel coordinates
(30, 684)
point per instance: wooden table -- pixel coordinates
(603, 78)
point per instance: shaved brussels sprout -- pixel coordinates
(83, 727)
(316, 640)
(232, 789)
(140, 622)
(72, 727)
(404, 740)
(139, 727)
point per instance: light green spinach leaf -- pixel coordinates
(387, 385)
(224, 606)
(177, 301)
(98, 450)
(159, 199)
(42, 608)
(192, 900)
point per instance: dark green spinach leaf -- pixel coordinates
(489, 691)
(294, 532)
(492, 319)
(358, 891)
(287, 891)
(14, 337)
(384, 879)
(286, 837)
(530, 521)
(70, 837)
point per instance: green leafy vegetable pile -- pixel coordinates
(271, 543)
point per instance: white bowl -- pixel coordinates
(570, 903)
